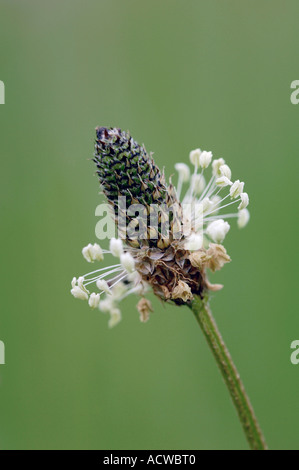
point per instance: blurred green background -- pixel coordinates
(178, 75)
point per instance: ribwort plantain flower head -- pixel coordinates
(166, 240)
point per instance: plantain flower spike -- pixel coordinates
(166, 241)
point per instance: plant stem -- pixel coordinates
(204, 317)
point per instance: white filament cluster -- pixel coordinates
(212, 198)
(114, 282)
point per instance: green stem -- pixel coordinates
(204, 317)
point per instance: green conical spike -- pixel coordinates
(126, 169)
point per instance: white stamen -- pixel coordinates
(216, 200)
(102, 285)
(225, 171)
(79, 293)
(183, 171)
(80, 282)
(102, 269)
(118, 280)
(116, 247)
(127, 261)
(236, 189)
(86, 252)
(97, 252)
(115, 317)
(243, 218)
(94, 300)
(194, 242)
(106, 305)
(184, 176)
(207, 204)
(216, 166)
(222, 207)
(244, 201)
(223, 181)
(217, 230)
(205, 159)
(106, 274)
(209, 188)
(194, 157)
(199, 183)
(92, 253)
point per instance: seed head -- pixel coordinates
(173, 264)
